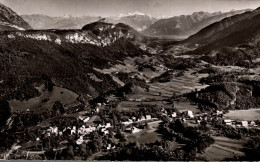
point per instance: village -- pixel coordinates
(136, 124)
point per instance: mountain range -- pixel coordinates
(137, 20)
(177, 27)
(232, 41)
(186, 25)
(39, 22)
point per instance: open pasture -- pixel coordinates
(57, 94)
(251, 114)
(222, 149)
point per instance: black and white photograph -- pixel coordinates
(130, 80)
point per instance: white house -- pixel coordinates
(174, 115)
(108, 125)
(73, 131)
(86, 119)
(148, 117)
(60, 133)
(80, 140)
(190, 114)
(55, 130)
(106, 132)
(135, 130)
(109, 147)
(252, 124)
(219, 112)
(244, 123)
(81, 118)
(228, 122)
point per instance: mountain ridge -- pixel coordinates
(9, 20)
(231, 31)
(186, 25)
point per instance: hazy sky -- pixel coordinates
(156, 8)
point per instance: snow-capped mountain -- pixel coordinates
(137, 20)
(133, 14)
(39, 22)
(9, 20)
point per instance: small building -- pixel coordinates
(81, 118)
(55, 130)
(80, 140)
(219, 112)
(106, 132)
(109, 146)
(60, 133)
(135, 130)
(189, 114)
(108, 125)
(238, 125)
(86, 119)
(228, 122)
(244, 123)
(174, 115)
(252, 124)
(97, 110)
(73, 131)
(148, 117)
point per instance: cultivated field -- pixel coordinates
(161, 91)
(179, 85)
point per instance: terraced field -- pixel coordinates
(179, 85)
(161, 91)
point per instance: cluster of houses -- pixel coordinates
(238, 124)
(80, 131)
(133, 120)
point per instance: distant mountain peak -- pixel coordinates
(67, 15)
(136, 13)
